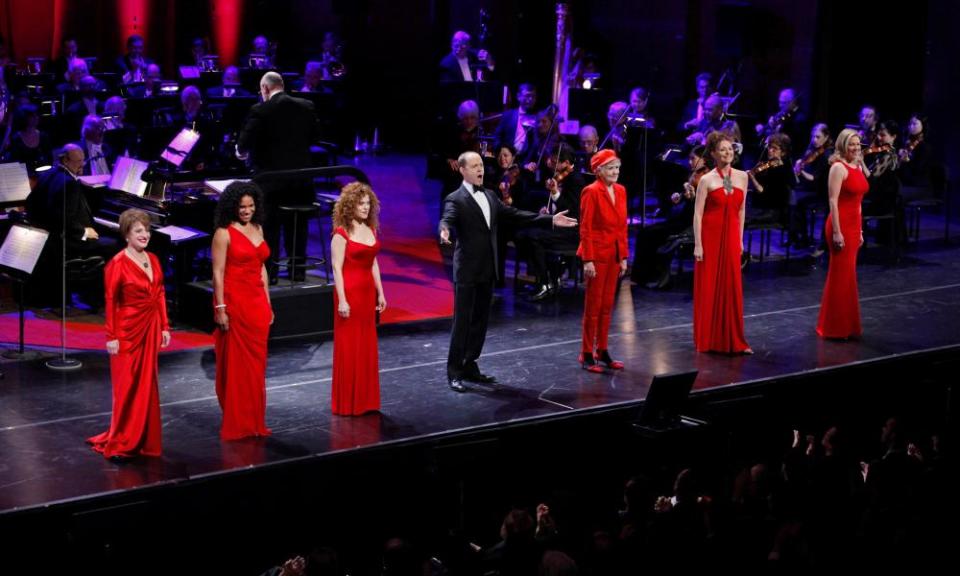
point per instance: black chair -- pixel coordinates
(935, 196)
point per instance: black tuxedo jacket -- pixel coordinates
(450, 68)
(475, 253)
(45, 204)
(278, 134)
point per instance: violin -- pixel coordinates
(763, 166)
(906, 153)
(879, 148)
(697, 174)
(808, 159)
(509, 180)
(562, 173)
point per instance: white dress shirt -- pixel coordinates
(481, 199)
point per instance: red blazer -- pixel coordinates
(603, 225)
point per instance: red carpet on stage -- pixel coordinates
(81, 335)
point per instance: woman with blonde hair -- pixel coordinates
(358, 297)
(846, 186)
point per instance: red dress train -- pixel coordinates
(356, 370)
(136, 314)
(242, 349)
(717, 283)
(840, 305)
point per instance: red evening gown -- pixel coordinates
(356, 369)
(136, 314)
(717, 285)
(242, 349)
(840, 305)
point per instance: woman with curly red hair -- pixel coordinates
(358, 297)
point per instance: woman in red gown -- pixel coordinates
(718, 243)
(137, 328)
(358, 297)
(846, 184)
(603, 249)
(242, 311)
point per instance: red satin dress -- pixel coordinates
(136, 314)
(242, 349)
(840, 305)
(356, 369)
(717, 283)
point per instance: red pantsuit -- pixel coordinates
(136, 314)
(603, 241)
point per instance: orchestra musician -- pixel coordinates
(517, 123)
(463, 64)
(695, 110)
(868, 125)
(915, 154)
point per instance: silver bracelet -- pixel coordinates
(220, 306)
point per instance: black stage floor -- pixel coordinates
(45, 416)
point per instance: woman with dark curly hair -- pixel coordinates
(242, 312)
(358, 297)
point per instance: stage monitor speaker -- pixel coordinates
(665, 402)
(304, 309)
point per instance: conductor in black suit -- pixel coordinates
(277, 136)
(473, 213)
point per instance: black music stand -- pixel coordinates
(18, 256)
(664, 403)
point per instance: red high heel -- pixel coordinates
(588, 363)
(604, 356)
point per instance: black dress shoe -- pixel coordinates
(480, 378)
(457, 385)
(545, 291)
(121, 459)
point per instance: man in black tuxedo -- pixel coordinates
(463, 64)
(516, 127)
(277, 136)
(473, 213)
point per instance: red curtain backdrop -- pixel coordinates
(225, 22)
(28, 26)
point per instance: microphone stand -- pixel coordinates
(63, 363)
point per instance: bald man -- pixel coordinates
(277, 135)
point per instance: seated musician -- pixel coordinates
(59, 197)
(120, 135)
(811, 171)
(639, 100)
(773, 180)
(28, 144)
(462, 137)
(463, 64)
(616, 121)
(915, 155)
(545, 138)
(230, 86)
(884, 197)
(868, 125)
(695, 110)
(195, 116)
(589, 145)
(151, 84)
(505, 177)
(87, 104)
(132, 65)
(77, 70)
(564, 187)
(657, 244)
(713, 120)
(100, 155)
(262, 54)
(788, 119)
(312, 78)
(516, 124)
(68, 51)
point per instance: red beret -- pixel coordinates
(600, 158)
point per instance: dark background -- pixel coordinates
(839, 55)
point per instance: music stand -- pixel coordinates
(18, 256)
(664, 403)
(181, 146)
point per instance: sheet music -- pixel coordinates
(219, 186)
(126, 176)
(21, 248)
(181, 146)
(14, 183)
(95, 181)
(179, 233)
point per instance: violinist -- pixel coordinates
(788, 118)
(811, 171)
(884, 198)
(505, 176)
(714, 121)
(868, 125)
(773, 180)
(616, 116)
(915, 154)
(657, 244)
(545, 137)
(563, 187)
